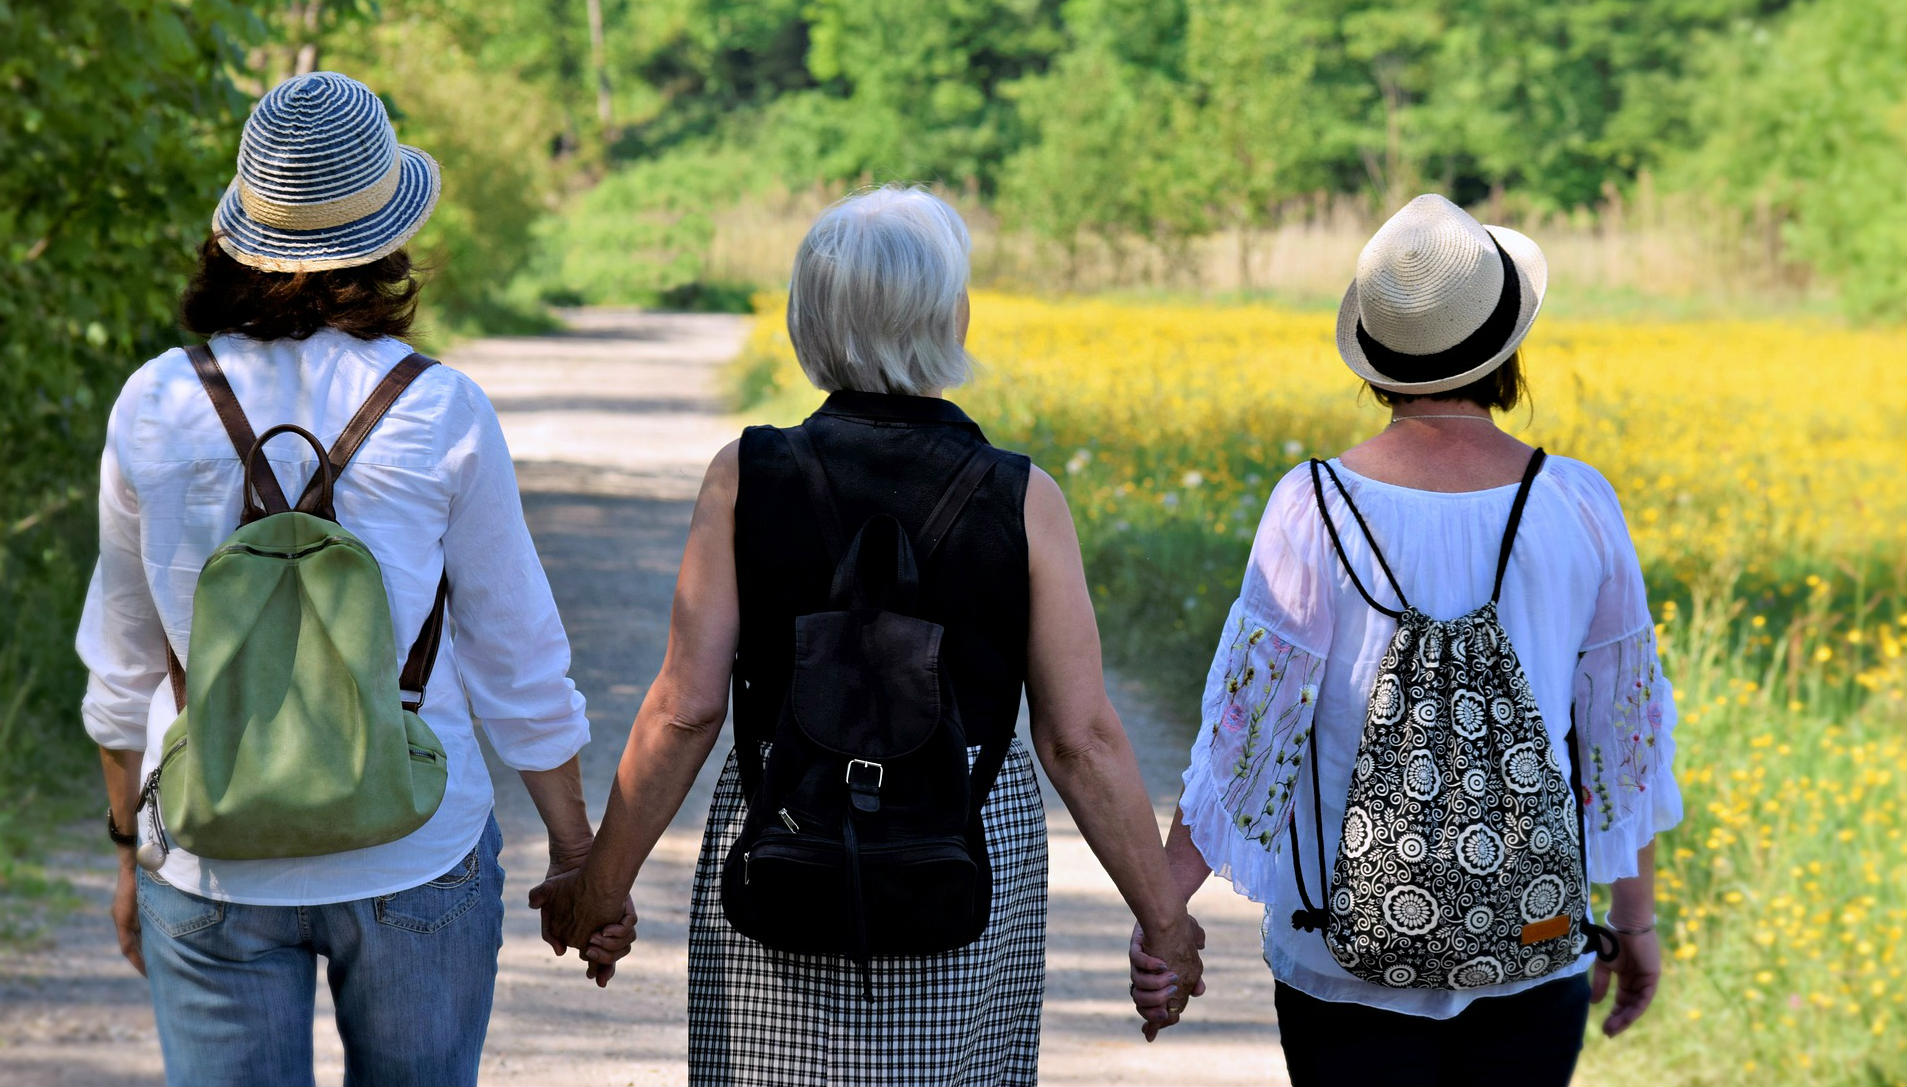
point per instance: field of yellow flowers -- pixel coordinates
(1761, 468)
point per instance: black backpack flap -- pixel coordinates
(866, 684)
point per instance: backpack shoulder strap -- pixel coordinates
(423, 655)
(820, 492)
(237, 427)
(967, 479)
(1516, 518)
(1337, 544)
(359, 428)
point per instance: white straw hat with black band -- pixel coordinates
(322, 181)
(1440, 300)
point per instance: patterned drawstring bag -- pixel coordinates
(1461, 862)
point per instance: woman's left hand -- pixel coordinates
(1637, 970)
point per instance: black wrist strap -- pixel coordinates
(118, 836)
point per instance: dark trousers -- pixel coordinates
(1528, 1039)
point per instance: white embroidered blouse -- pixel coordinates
(1301, 647)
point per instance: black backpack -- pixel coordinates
(863, 834)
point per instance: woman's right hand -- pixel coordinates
(126, 912)
(1167, 972)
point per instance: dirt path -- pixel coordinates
(611, 424)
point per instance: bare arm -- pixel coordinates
(677, 727)
(122, 794)
(1082, 743)
(558, 796)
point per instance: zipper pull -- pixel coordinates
(789, 821)
(746, 857)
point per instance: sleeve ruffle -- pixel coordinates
(1260, 697)
(1625, 746)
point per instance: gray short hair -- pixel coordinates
(874, 303)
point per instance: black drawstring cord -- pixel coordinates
(1601, 940)
(1312, 918)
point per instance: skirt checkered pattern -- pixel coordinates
(970, 1016)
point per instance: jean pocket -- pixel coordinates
(173, 911)
(428, 907)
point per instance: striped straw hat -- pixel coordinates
(322, 181)
(1440, 300)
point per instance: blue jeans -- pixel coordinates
(411, 973)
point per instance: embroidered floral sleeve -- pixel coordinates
(1261, 695)
(1625, 744)
(1259, 701)
(1624, 712)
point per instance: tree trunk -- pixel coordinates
(599, 62)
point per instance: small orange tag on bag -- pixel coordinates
(1537, 931)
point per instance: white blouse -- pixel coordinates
(1301, 648)
(432, 490)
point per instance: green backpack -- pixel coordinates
(295, 735)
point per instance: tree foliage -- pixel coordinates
(1807, 119)
(118, 129)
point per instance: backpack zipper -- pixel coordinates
(789, 821)
(149, 794)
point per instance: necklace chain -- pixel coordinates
(1402, 418)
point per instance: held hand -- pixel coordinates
(609, 945)
(1638, 970)
(571, 915)
(126, 912)
(1167, 973)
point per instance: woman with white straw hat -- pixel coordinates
(304, 290)
(1436, 714)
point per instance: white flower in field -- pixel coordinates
(1191, 479)
(1077, 463)
(1293, 449)
(1307, 694)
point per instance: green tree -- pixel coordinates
(1251, 126)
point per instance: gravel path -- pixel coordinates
(611, 424)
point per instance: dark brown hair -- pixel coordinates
(368, 301)
(1499, 390)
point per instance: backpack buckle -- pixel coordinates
(865, 795)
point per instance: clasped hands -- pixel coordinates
(601, 927)
(1167, 971)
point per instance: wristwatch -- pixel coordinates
(119, 837)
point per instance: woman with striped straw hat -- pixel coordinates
(304, 292)
(1436, 713)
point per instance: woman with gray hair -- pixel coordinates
(852, 966)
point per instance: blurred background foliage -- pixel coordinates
(670, 152)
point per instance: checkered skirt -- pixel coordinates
(969, 1016)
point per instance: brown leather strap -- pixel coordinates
(176, 673)
(237, 427)
(417, 666)
(366, 420)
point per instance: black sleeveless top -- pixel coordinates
(893, 455)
